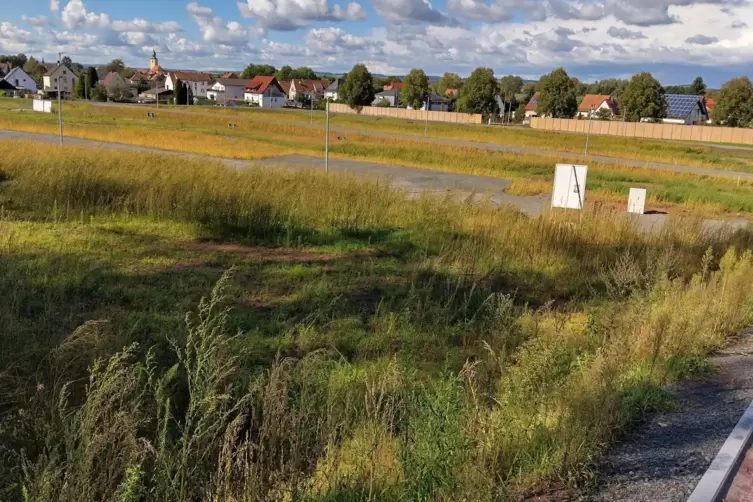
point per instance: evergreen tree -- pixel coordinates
(698, 86)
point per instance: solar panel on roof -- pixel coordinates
(680, 105)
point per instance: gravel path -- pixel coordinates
(665, 458)
(563, 156)
(412, 179)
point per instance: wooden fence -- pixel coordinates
(402, 113)
(705, 134)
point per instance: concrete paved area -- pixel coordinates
(411, 179)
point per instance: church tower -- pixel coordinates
(153, 63)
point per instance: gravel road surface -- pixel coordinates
(664, 459)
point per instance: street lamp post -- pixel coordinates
(588, 135)
(326, 139)
(60, 102)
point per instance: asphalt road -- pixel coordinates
(411, 179)
(563, 156)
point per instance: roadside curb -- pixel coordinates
(715, 480)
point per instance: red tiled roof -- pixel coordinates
(451, 92)
(393, 85)
(316, 86)
(285, 85)
(595, 101)
(6, 67)
(260, 84)
(531, 106)
(710, 104)
(191, 76)
(109, 78)
(229, 74)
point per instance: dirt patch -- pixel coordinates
(281, 254)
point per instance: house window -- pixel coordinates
(63, 72)
(16, 82)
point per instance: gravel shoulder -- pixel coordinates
(665, 458)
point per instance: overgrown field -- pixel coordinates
(352, 344)
(530, 174)
(630, 148)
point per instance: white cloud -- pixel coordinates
(411, 11)
(37, 22)
(701, 39)
(214, 29)
(287, 15)
(143, 26)
(75, 15)
(55, 6)
(624, 33)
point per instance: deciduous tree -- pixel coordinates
(734, 108)
(643, 99)
(479, 94)
(358, 90)
(116, 65)
(415, 89)
(558, 96)
(509, 85)
(449, 81)
(254, 70)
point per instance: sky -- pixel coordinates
(676, 40)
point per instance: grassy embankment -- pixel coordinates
(364, 346)
(530, 174)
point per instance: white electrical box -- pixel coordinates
(637, 201)
(42, 106)
(569, 186)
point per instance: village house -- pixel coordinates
(199, 83)
(118, 87)
(227, 89)
(312, 89)
(333, 90)
(265, 92)
(593, 103)
(436, 104)
(21, 80)
(59, 78)
(685, 109)
(391, 96)
(530, 108)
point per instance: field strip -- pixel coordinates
(411, 179)
(702, 171)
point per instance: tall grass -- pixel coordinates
(530, 174)
(514, 352)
